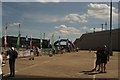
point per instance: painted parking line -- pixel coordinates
(94, 76)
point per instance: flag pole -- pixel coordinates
(59, 44)
(40, 40)
(52, 43)
(5, 37)
(18, 40)
(26, 42)
(31, 42)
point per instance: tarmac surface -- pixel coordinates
(74, 65)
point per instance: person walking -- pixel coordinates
(12, 53)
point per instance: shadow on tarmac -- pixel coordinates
(91, 72)
(30, 77)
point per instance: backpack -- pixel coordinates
(15, 54)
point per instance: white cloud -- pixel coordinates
(30, 0)
(98, 11)
(101, 11)
(84, 28)
(96, 29)
(47, 20)
(76, 18)
(61, 27)
(91, 29)
(43, 18)
(71, 18)
(65, 30)
(14, 24)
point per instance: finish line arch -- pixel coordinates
(64, 48)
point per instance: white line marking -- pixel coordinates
(94, 76)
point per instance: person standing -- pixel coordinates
(31, 54)
(12, 53)
(37, 51)
(98, 59)
(104, 59)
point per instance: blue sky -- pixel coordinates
(65, 19)
(0, 19)
(58, 0)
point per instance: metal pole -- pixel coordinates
(110, 50)
(106, 25)
(44, 35)
(102, 27)
(5, 37)
(94, 30)
(41, 40)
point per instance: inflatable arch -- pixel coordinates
(66, 48)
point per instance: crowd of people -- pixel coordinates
(35, 51)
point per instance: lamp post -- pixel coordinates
(106, 25)
(110, 44)
(102, 27)
(94, 30)
(44, 35)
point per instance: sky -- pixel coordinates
(69, 20)
(58, 0)
(0, 19)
